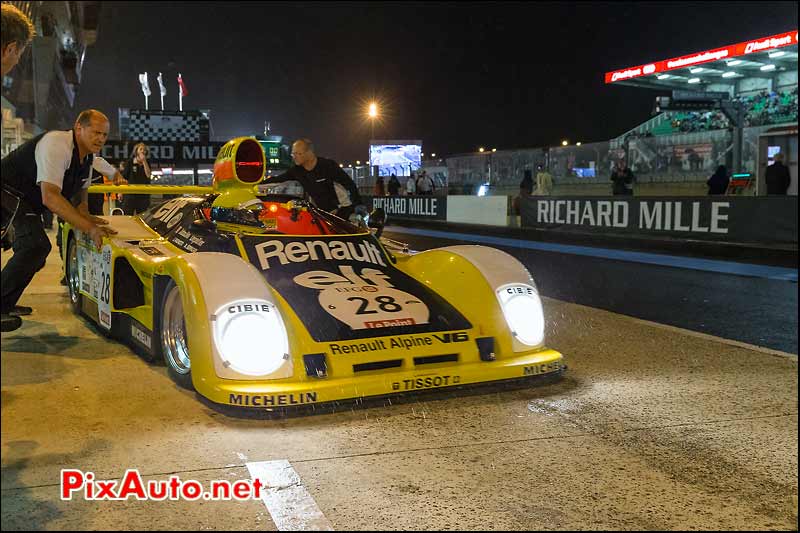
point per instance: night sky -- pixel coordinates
(456, 76)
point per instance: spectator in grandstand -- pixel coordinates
(718, 182)
(544, 182)
(393, 186)
(778, 178)
(622, 180)
(695, 161)
(17, 32)
(380, 187)
(137, 173)
(425, 185)
(411, 185)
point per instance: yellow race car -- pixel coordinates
(257, 299)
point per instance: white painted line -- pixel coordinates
(682, 331)
(291, 506)
(738, 344)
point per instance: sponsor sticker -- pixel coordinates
(141, 336)
(272, 400)
(541, 368)
(151, 250)
(428, 382)
(104, 286)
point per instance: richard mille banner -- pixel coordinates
(718, 218)
(415, 207)
(187, 152)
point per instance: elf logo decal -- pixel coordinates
(170, 213)
(365, 300)
(300, 252)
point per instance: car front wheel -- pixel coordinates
(174, 340)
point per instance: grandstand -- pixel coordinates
(761, 73)
(674, 152)
(761, 109)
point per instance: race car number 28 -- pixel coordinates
(364, 299)
(104, 295)
(373, 307)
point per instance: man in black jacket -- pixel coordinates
(778, 178)
(622, 179)
(329, 187)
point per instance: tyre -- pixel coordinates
(173, 339)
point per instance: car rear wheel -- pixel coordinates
(174, 341)
(73, 275)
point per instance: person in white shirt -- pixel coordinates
(411, 185)
(46, 172)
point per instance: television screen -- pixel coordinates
(588, 172)
(771, 151)
(399, 157)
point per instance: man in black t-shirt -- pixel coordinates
(329, 187)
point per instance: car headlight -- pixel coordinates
(251, 337)
(522, 309)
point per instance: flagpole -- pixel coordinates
(146, 106)
(180, 92)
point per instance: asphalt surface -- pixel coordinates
(651, 428)
(748, 309)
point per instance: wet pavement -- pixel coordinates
(651, 428)
(753, 310)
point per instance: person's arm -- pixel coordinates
(108, 170)
(341, 177)
(289, 175)
(80, 218)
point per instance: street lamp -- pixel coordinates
(564, 142)
(373, 114)
(480, 149)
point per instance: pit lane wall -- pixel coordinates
(735, 219)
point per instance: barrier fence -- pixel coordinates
(740, 219)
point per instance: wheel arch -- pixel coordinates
(207, 281)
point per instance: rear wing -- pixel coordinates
(151, 189)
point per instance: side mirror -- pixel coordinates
(377, 219)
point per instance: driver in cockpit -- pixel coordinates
(329, 187)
